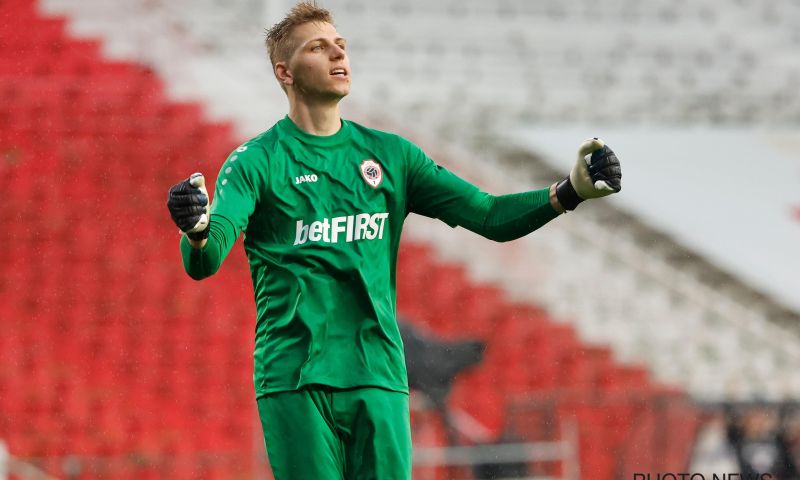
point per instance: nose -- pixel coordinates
(337, 52)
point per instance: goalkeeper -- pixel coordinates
(321, 201)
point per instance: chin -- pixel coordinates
(338, 93)
(341, 89)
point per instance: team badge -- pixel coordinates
(372, 173)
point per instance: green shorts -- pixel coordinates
(323, 433)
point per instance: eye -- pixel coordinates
(316, 48)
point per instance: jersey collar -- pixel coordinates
(320, 140)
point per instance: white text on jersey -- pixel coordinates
(362, 226)
(305, 178)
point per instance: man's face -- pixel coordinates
(319, 65)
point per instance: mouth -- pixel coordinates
(339, 72)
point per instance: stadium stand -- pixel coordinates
(670, 62)
(114, 359)
(449, 52)
(535, 368)
(108, 353)
(84, 119)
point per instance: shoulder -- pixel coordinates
(389, 139)
(255, 152)
(395, 146)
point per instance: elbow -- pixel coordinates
(197, 276)
(511, 231)
(200, 274)
(492, 232)
(496, 235)
(501, 238)
(199, 263)
(198, 269)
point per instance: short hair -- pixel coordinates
(277, 39)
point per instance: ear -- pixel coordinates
(283, 74)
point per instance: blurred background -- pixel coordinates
(654, 332)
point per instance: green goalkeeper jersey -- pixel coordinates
(322, 217)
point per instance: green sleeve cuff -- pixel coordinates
(200, 263)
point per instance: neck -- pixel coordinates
(316, 119)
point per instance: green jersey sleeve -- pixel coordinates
(235, 198)
(434, 191)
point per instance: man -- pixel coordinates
(760, 441)
(321, 201)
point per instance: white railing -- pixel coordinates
(563, 451)
(9, 465)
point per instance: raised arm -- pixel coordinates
(435, 192)
(211, 231)
(203, 258)
(507, 217)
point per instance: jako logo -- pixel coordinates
(362, 226)
(305, 178)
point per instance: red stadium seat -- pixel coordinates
(108, 350)
(80, 137)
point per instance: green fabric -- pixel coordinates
(322, 433)
(322, 245)
(512, 216)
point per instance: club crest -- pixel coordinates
(372, 172)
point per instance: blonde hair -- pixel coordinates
(278, 43)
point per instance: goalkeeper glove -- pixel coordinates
(188, 205)
(596, 173)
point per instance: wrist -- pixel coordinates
(200, 235)
(567, 197)
(554, 200)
